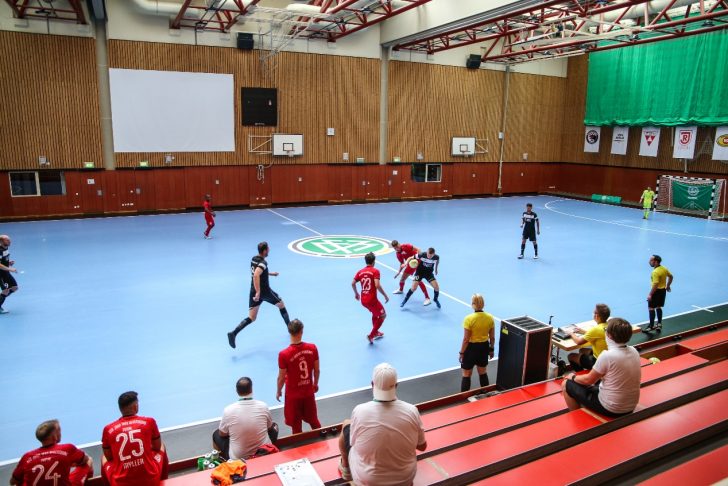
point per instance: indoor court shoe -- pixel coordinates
(370, 339)
(344, 471)
(231, 339)
(379, 335)
(397, 292)
(658, 327)
(437, 303)
(3, 311)
(520, 257)
(427, 302)
(535, 257)
(648, 328)
(403, 303)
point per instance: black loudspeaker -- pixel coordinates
(260, 107)
(245, 41)
(524, 352)
(473, 61)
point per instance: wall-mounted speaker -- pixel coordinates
(245, 41)
(473, 61)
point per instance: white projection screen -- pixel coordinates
(167, 111)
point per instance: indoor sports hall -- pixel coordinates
(149, 146)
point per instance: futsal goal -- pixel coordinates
(691, 195)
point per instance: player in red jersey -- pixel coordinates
(404, 252)
(133, 451)
(369, 277)
(209, 215)
(50, 465)
(298, 370)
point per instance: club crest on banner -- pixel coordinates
(685, 136)
(650, 137)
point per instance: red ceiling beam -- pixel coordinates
(76, 5)
(180, 15)
(15, 8)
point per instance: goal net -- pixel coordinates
(691, 195)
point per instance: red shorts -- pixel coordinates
(162, 462)
(296, 409)
(374, 306)
(408, 271)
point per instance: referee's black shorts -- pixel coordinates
(529, 234)
(265, 296)
(476, 354)
(658, 299)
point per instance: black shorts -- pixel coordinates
(428, 275)
(7, 280)
(529, 235)
(476, 354)
(588, 396)
(346, 432)
(658, 299)
(265, 296)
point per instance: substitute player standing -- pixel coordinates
(426, 270)
(133, 451)
(646, 199)
(661, 279)
(369, 278)
(531, 228)
(8, 285)
(404, 252)
(209, 215)
(260, 292)
(298, 370)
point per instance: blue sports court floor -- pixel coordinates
(144, 303)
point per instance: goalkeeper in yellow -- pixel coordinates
(648, 195)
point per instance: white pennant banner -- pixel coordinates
(685, 142)
(720, 146)
(649, 141)
(591, 138)
(619, 140)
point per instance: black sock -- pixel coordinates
(535, 249)
(245, 322)
(465, 384)
(2, 299)
(437, 295)
(652, 317)
(284, 314)
(409, 294)
(523, 248)
(659, 315)
(484, 381)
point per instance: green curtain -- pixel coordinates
(668, 83)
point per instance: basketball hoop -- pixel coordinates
(289, 153)
(464, 151)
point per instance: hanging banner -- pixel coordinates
(690, 196)
(591, 138)
(685, 142)
(619, 140)
(720, 147)
(649, 141)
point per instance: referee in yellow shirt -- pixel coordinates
(661, 281)
(594, 337)
(478, 343)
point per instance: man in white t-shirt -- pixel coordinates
(379, 444)
(245, 426)
(620, 373)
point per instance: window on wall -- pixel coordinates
(427, 172)
(37, 183)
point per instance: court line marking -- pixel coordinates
(381, 264)
(690, 235)
(702, 308)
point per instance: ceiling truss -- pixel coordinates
(47, 10)
(562, 28)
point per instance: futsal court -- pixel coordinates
(144, 302)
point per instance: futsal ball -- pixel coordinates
(654, 360)
(413, 263)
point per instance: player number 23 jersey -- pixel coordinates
(366, 277)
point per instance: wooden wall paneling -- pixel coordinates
(520, 177)
(260, 189)
(93, 189)
(120, 191)
(6, 200)
(48, 94)
(397, 180)
(474, 179)
(341, 177)
(314, 92)
(145, 189)
(376, 188)
(74, 191)
(314, 182)
(169, 188)
(27, 206)
(285, 187)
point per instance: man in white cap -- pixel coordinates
(378, 444)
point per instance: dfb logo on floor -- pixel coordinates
(340, 246)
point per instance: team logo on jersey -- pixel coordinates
(340, 246)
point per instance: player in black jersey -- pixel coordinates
(429, 262)
(531, 228)
(8, 285)
(260, 291)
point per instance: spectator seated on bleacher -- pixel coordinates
(594, 337)
(378, 444)
(246, 425)
(619, 370)
(134, 454)
(53, 462)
